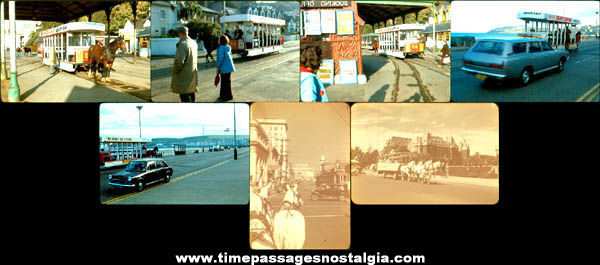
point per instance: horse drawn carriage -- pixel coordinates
(254, 34)
(70, 42)
(421, 171)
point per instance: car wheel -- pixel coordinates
(342, 198)
(167, 178)
(314, 197)
(525, 77)
(561, 66)
(140, 186)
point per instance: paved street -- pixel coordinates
(327, 221)
(389, 79)
(578, 82)
(370, 188)
(201, 178)
(130, 83)
(272, 77)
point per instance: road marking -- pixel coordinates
(172, 181)
(588, 92)
(593, 96)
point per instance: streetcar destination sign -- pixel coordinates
(323, 4)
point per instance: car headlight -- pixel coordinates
(129, 178)
(109, 176)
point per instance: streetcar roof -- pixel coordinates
(545, 17)
(75, 26)
(252, 18)
(401, 27)
(124, 140)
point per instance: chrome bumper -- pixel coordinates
(121, 185)
(499, 76)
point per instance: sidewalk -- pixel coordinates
(494, 183)
(223, 183)
(381, 77)
(37, 85)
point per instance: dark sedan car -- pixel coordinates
(326, 191)
(140, 173)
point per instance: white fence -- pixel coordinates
(168, 46)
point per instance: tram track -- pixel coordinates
(118, 85)
(423, 90)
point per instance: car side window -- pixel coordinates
(535, 47)
(163, 164)
(151, 166)
(520, 47)
(546, 46)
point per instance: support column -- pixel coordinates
(4, 74)
(134, 9)
(107, 12)
(14, 93)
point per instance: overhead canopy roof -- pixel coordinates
(59, 11)
(377, 11)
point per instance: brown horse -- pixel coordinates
(104, 55)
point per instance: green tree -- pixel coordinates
(202, 29)
(398, 21)
(423, 15)
(410, 18)
(189, 10)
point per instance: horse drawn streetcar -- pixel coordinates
(70, 43)
(254, 34)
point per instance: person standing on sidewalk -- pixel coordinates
(52, 60)
(311, 86)
(445, 54)
(184, 80)
(224, 68)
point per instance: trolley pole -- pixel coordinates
(14, 92)
(134, 41)
(4, 74)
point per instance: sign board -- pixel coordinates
(323, 4)
(328, 21)
(345, 22)
(326, 71)
(312, 22)
(348, 72)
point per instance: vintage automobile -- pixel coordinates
(140, 173)
(334, 191)
(512, 58)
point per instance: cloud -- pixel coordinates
(171, 119)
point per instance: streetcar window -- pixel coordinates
(492, 47)
(75, 39)
(87, 39)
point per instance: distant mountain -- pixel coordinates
(199, 140)
(508, 29)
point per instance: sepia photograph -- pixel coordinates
(375, 51)
(425, 153)
(525, 51)
(299, 176)
(75, 51)
(165, 153)
(219, 51)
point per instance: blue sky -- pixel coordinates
(483, 16)
(176, 120)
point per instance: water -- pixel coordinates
(483, 35)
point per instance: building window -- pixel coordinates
(163, 14)
(163, 31)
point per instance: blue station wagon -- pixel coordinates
(512, 58)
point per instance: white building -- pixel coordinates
(164, 17)
(127, 33)
(24, 30)
(276, 130)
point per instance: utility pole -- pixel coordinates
(234, 134)
(140, 119)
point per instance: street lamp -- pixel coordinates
(140, 119)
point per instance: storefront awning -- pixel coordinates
(377, 11)
(58, 11)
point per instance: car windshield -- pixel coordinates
(492, 47)
(136, 166)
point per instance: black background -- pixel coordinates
(548, 156)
